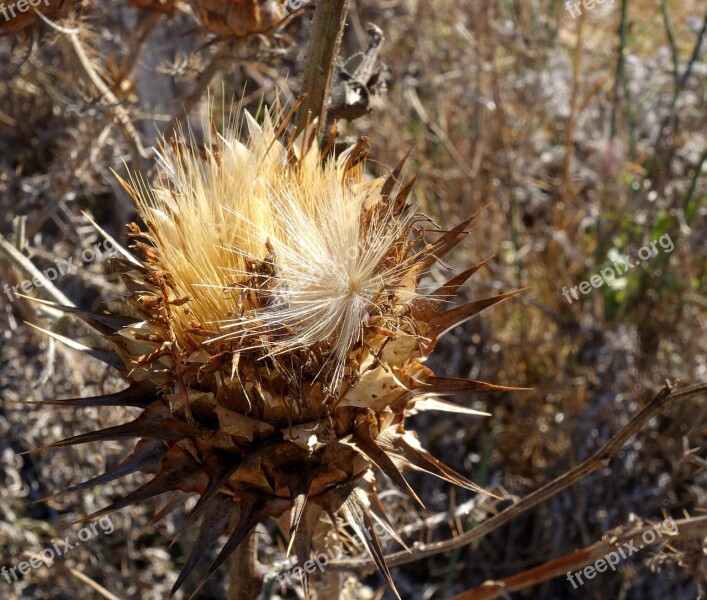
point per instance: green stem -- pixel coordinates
(620, 67)
(671, 42)
(327, 30)
(688, 206)
(680, 82)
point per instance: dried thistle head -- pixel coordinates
(274, 335)
(160, 6)
(298, 256)
(240, 18)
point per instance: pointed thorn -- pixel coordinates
(139, 395)
(179, 472)
(156, 421)
(378, 512)
(219, 474)
(254, 508)
(299, 491)
(220, 515)
(425, 307)
(305, 531)
(445, 321)
(356, 510)
(102, 323)
(107, 356)
(431, 403)
(122, 251)
(363, 441)
(146, 457)
(394, 177)
(441, 386)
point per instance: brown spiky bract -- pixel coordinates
(240, 18)
(160, 6)
(273, 334)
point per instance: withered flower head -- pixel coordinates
(161, 6)
(274, 335)
(240, 18)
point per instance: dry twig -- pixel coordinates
(686, 528)
(598, 460)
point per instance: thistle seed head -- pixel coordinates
(274, 333)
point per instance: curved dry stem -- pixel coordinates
(598, 460)
(686, 529)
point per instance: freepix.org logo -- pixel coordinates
(10, 11)
(57, 549)
(64, 266)
(624, 551)
(621, 266)
(575, 8)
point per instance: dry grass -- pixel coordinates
(505, 103)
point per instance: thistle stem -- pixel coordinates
(243, 582)
(325, 40)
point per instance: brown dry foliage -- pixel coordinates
(512, 104)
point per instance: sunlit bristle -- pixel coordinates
(203, 206)
(277, 249)
(329, 269)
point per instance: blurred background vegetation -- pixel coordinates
(585, 139)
